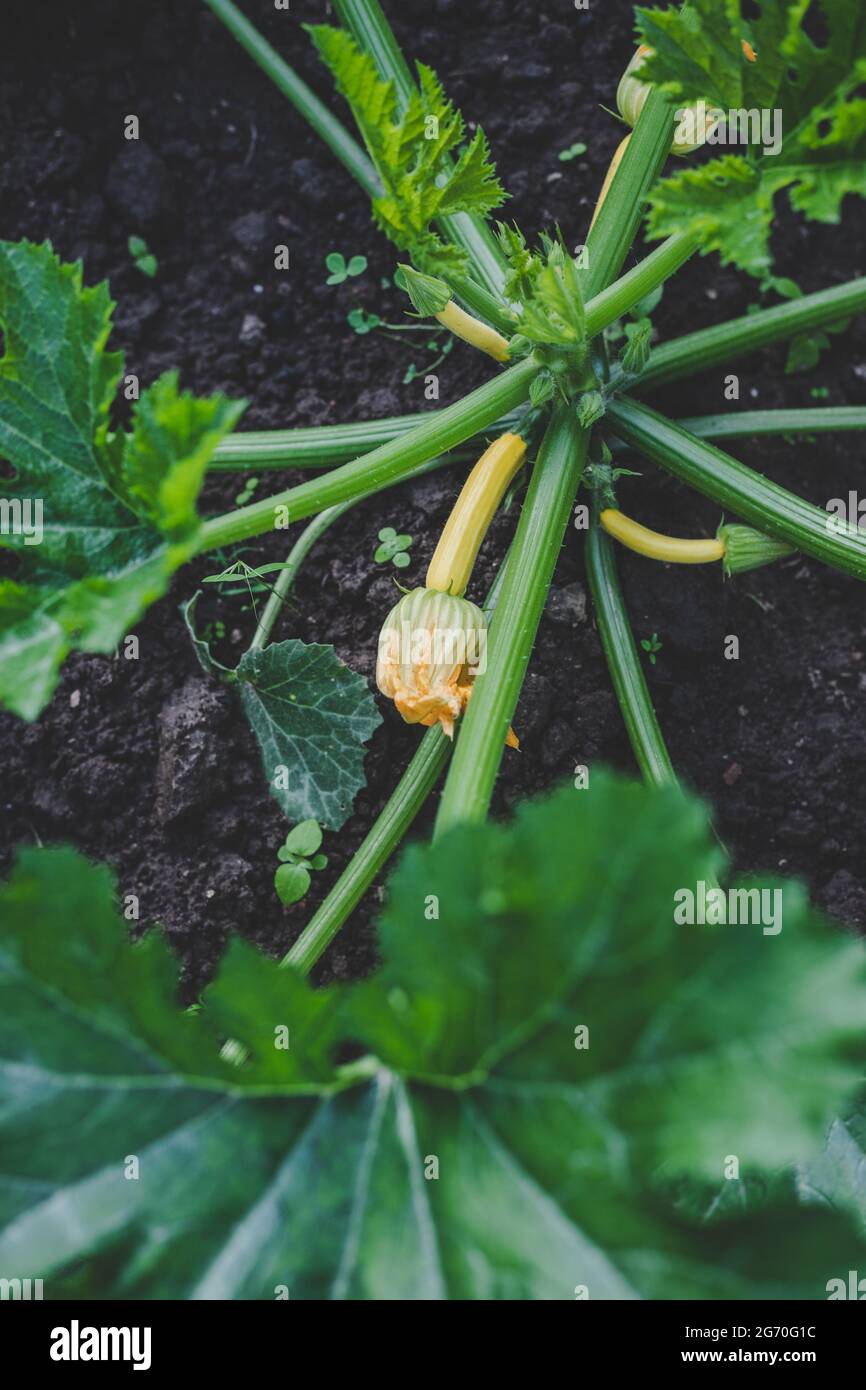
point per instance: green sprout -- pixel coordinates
(573, 152)
(298, 856)
(247, 492)
(652, 646)
(341, 269)
(362, 322)
(394, 548)
(142, 257)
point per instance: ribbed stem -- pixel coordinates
(697, 352)
(647, 275)
(323, 446)
(305, 101)
(616, 226)
(375, 850)
(623, 662)
(384, 836)
(817, 420)
(532, 560)
(736, 488)
(384, 465)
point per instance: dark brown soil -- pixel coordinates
(148, 764)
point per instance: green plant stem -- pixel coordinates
(697, 352)
(623, 662)
(736, 488)
(485, 305)
(366, 22)
(648, 274)
(617, 223)
(323, 446)
(382, 467)
(286, 577)
(817, 420)
(532, 560)
(384, 836)
(305, 101)
(386, 833)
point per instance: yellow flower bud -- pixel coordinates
(431, 647)
(631, 96)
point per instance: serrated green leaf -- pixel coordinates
(698, 52)
(477, 1152)
(837, 1177)
(118, 511)
(413, 151)
(312, 717)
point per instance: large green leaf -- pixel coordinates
(697, 51)
(117, 510)
(838, 1176)
(471, 1150)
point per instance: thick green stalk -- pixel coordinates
(487, 306)
(623, 662)
(286, 577)
(375, 850)
(648, 274)
(366, 22)
(814, 420)
(323, 446)
(697, 352)
(738, 489)
(616, 226)
(532, 560)
(384, 836)
(305, 101)
(382, 467)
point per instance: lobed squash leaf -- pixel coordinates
(472, 1150)
(116, 510)
(698, 51)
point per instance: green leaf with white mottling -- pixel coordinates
(312, 717)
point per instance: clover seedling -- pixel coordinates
(142, 257)
(341, 269)
(298, 856)
(394, 548)
(361, 322)
(652, 646)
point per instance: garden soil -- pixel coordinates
(149, 764)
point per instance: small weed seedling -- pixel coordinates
(247, 492)
(341, 269)
(573, 152)
(652, 646)
(298, 856)
(142, 257)
(394, 548)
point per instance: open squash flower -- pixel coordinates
(431, 647)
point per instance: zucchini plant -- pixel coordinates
(461, 1059)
